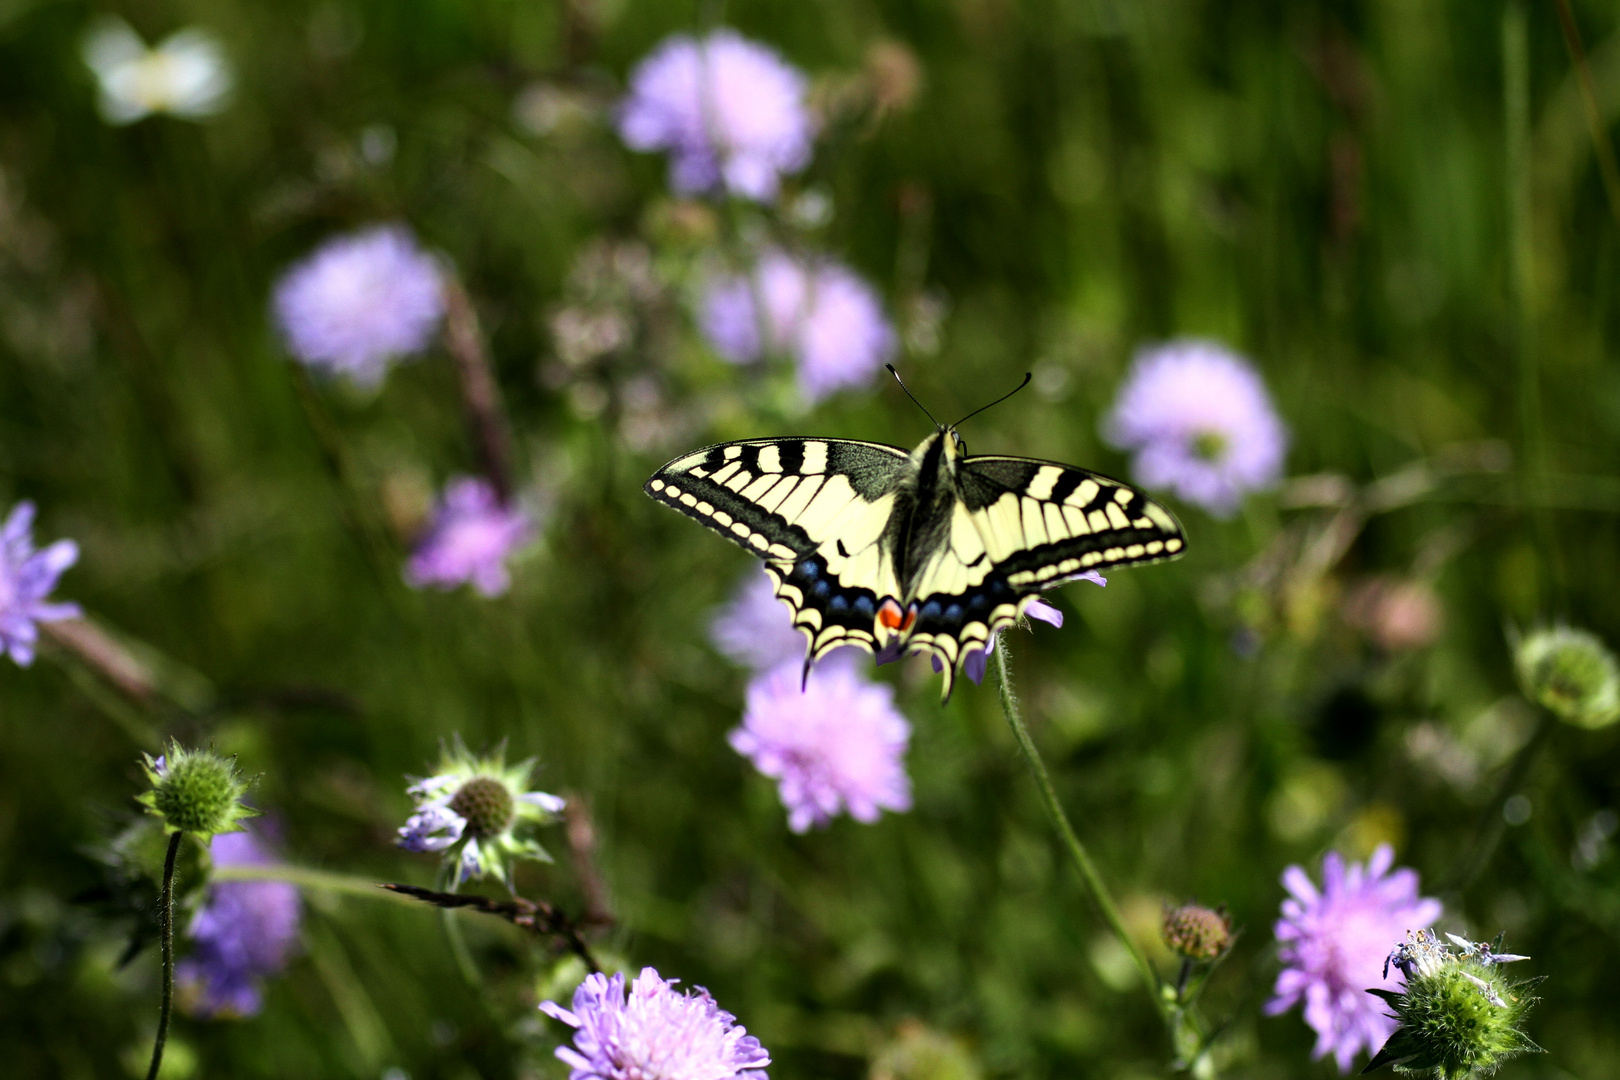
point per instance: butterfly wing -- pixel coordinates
(1020, 526)
(816, 510)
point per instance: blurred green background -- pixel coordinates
(1040, 185)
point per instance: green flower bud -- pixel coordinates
(1458, 1017)
(1572, 673)
(195, 791)
(1197, 932)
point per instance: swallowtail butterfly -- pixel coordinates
(928, 551)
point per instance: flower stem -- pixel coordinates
(305, 878)
(166, 930)
(1077, 851)
(480, 395)
(1488, 833)
(449, 878)
(1607, 167)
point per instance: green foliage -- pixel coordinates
(1320, 185)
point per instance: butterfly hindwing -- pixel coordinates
(1020, 526)
(816, 510)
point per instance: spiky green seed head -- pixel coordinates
(1197, 932)
(195, 791)
(1459, 1018)
(1572, 674)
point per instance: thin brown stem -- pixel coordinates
(480, 395)
(166, 930)
(1607, 166)
(535, 916)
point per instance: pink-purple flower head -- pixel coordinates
(654, 1033)
(26, 579)
(815, 310)
(1333, 942)
(833, 742)
(244, 932)
(469, 538)
(730, 112)
(754, 629)
(360, 302)
(1200, 423)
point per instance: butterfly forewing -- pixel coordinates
(1043, 522)
(814, 509)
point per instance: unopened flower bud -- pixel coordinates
(195, 791)
(1571, 673)
(1197, 932)
(1458, 1017)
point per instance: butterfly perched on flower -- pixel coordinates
(902, 552)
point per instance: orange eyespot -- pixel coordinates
(891, 617)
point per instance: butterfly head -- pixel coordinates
(954, 447)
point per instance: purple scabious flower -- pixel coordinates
(832, 743)
(244, 931)
(26, 579)
(821, 313)
(754, 629)
(656, 1033)
(730, 111)
(476, 811)
(1200, 422)
(1333, 942)
(468, 540)
(360, 302)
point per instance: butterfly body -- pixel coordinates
(927, 551)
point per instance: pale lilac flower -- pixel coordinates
(754, 629)
(815, 310)
(1333, 943)
(244, 931)
(26, 579)
(657, 1033)
(1200, 422)
(730, 112)
(833, 743)
(468, 540)
(475, 808)
(360, 302)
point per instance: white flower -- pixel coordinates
(185, 75)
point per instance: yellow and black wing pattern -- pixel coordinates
(1017, 527)
(816, 510)
(902, 553)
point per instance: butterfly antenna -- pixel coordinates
(998, 401)
(912, 396)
